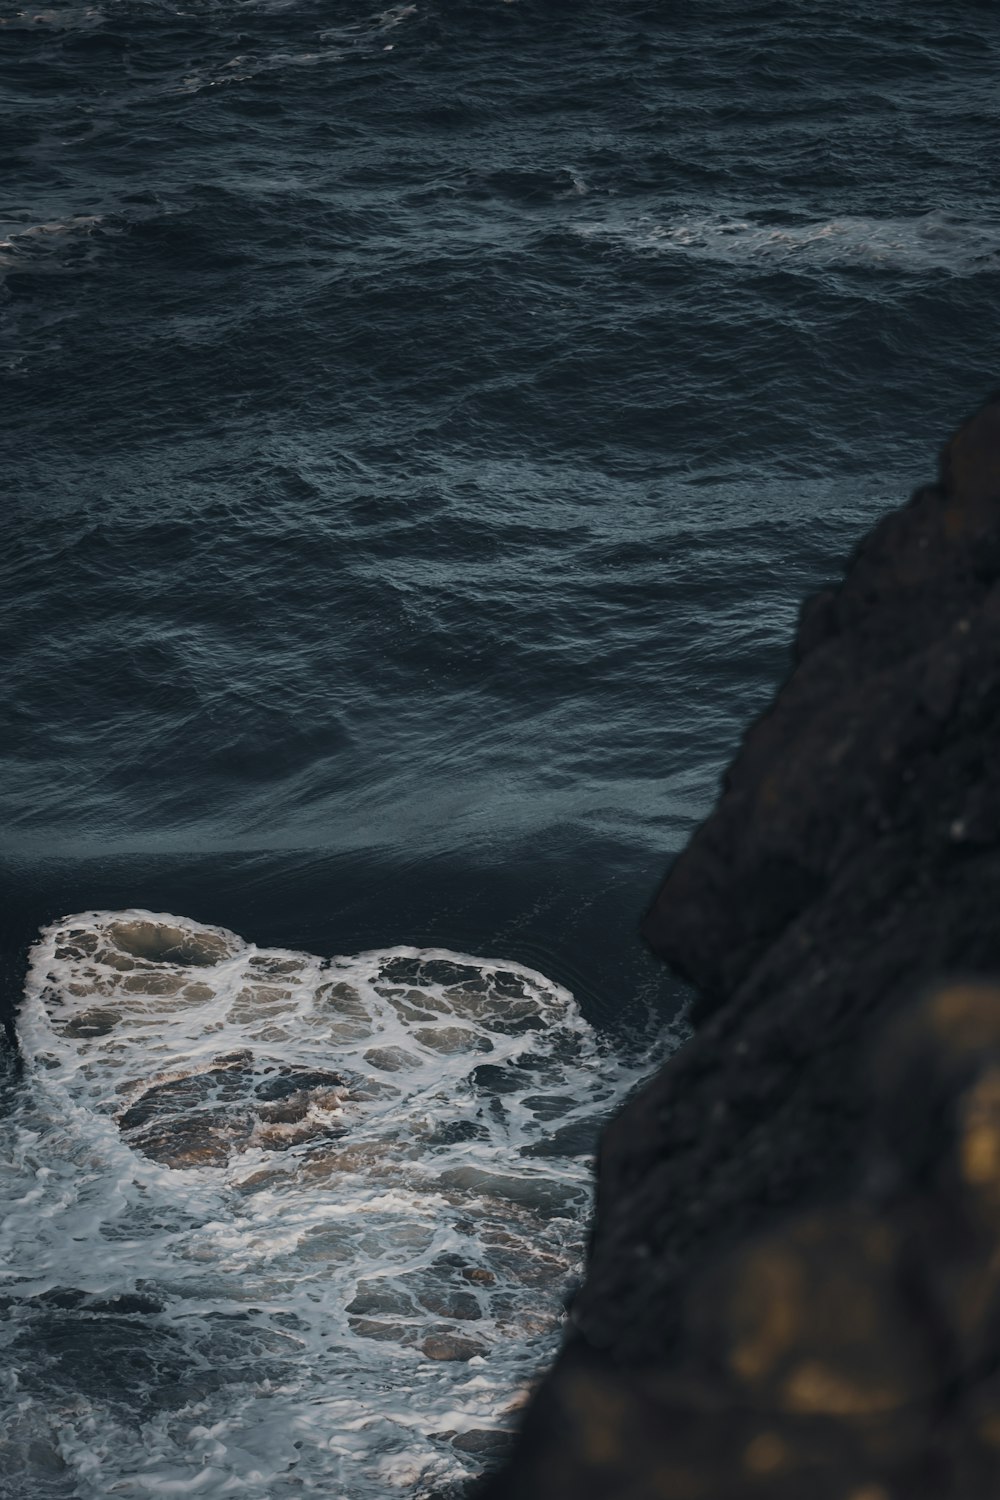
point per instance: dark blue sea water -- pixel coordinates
(419, 431)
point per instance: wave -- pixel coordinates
(71, 18)
(35, 239)
(929, 242)
(367, 35)
(283, 1224)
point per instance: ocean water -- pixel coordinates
(419, 429)
(282, 1225)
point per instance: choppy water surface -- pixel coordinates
(424, 423)
(419, 429)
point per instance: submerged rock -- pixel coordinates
(160, 942)
(792, 1286)
(199, 1119)
(451, 1346)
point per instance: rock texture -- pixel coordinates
(794, 1279)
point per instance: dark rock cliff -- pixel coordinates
(794, 1280)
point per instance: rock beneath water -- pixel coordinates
(483, 1442)
(792, 1286)
(159, 942)
(200, 1119)
(98, 1021)
(451, 1346)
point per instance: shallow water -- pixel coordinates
(283, 1225)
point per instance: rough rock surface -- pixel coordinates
(793, 1281)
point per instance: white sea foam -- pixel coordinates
(69, 18)
(18, 239)
(274, 1224)
(243, 67)
(366, 35)
(374, 27)
(933, 241)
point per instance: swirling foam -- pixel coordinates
(282, 1225)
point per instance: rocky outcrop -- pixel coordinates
(792, 1286)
